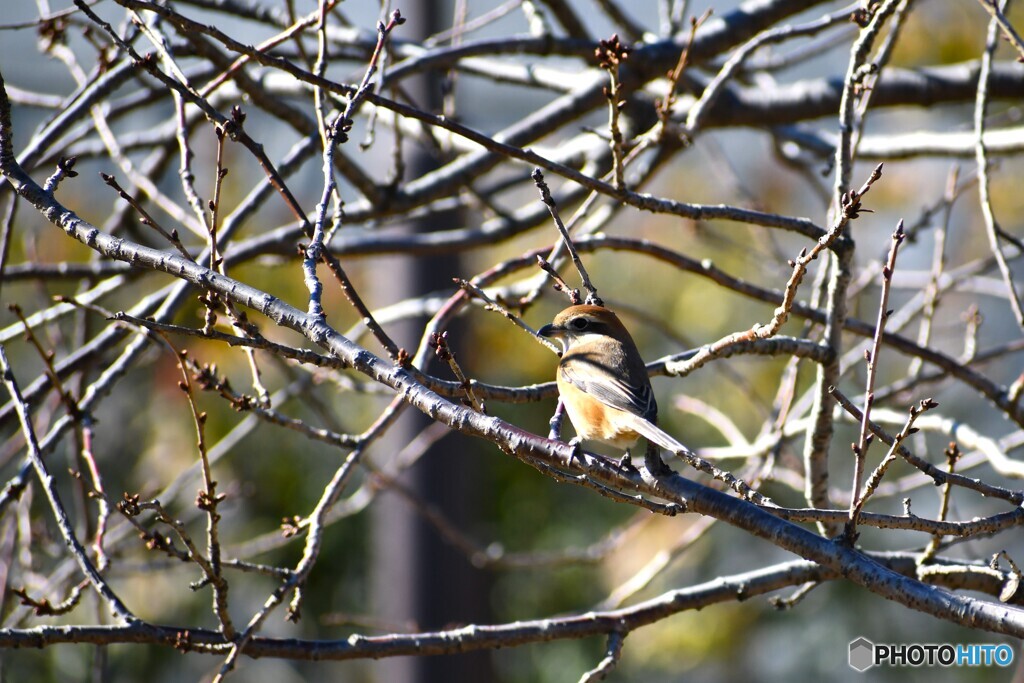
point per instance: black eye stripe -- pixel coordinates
(585, 324)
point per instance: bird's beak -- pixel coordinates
(550, 330)
(556, 333)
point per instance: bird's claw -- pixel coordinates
(625, 463)
(576, 443)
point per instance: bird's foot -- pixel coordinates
(626, 462)
(577, 449)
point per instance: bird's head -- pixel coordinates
(585, 322)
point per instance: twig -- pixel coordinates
(725, 476)
(234, 124)
(938, 476)
(560, 284)
(47, 357)
(972, 319)
(858, 501)
(6, 229)
(981, 157)
(492, 305)
(851, 210)
(819, 436)
(952, 456)
(860, 449)
(131, 505)
(314, 540)
(795, 598)
(999, 17)
(169, 235)
(933, 292)
(446, 355)
(657, 565)
(613, 653)
(208, 380)
(102, 560)
(49, 486)
(664, 106)
(878, 14)
(545, 196)
(332, 134)
(297, 27)
(368, 319)
(42, 607)
(610, 55)
(871, 72)
(65, 169)
(259, 342)
(207, 500)
(698, 112)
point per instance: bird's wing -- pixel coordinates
(623, 394)
(629, 395)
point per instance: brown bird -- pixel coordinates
(602, 380)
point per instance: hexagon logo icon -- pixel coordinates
(862, 654)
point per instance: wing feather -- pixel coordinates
(601, 383)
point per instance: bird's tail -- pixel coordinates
(656, 434)
(653, 432)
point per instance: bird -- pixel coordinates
(602, 381)
(603, 384)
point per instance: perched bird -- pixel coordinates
(602, 380)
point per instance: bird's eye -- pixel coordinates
(579, 324)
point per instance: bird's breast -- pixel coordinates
(596, 421)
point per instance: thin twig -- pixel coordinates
(860, 449)
(933, 292)
(999, 17)
(610, 55)
(981, 157)
(698, 112)
(207, 500)
(664, 107)
(492, 305)
(952, 457)
(102, 559)
(169, 235)
(795, 598)
(446, 355)
(857, 505)
(314, 541)
(560, 284)
(119, 609)
(850, 210)
(819, 436)
(938, 476)
(368, 319)
(545, 196)
(613, 653)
